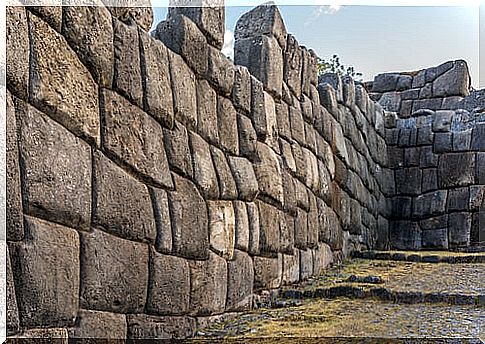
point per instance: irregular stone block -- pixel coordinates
(301, 229)
(477, 197)
(240, 276)
(455, 82)
(385, 82)
(60, 85)
(13, 321)
(158, 99)
(462, 140)
(293, 65)
(17, 51)
(435, 238)
(290, 194)
(227, 122)
(405, 235)
(434, 222)
(328, 98)
(408, 181)
(208, 287)
(183, 37)
(168, 285)
(338, 144)
(163, 242)
(254, 228)
(14, 216)
(458, 199)
(268, 173)
(146, 327)
(127, 75)
(220, 71)
(456, 169)
(207, 112)
(247, 137)
(122, 205)
(430, 204)
(291, 268)
(459, 227)
(241, 93)
(204, 172)
(297, 125)
(312, 232)
(188, 213)
(264, 121)
(56, 173)
(242, 226)
(306, 264)
(330, 231)
(46, 272)
(141, 16)
(442, 143)
(480, 169)
(269, 233)
(306, 71)
(283, 120)
(478, 141)
(178, 152)
(442, 121)
(391, 101)
(93, 324)
(401, 206)
(227, 185)
(268, 272)
(301, 196)
(222, 228)
(111, 281)
(306, 109)
(430, 180)
(322, 259)
(134, 138)
(208, 15)
(264, 59)
(243, 172)
(262, 20)
(42, 335)
(287, 233)
(88, 29)
(287, 155)
(184, 91)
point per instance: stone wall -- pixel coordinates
(435, 132)
(153, 184)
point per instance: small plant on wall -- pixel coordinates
(335, 66)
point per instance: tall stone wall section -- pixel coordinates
(435, 132)
(153, 184)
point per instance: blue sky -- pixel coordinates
(376, 39)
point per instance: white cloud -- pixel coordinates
(228, 48)
(327, 9)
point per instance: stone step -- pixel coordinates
(384, 294)
(424, 256)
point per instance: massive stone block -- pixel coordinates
(208, 287)
(456, 169)
(183, 37)
(94, 325)
(283, 120)
(241, 92)
(297, 125)
(207, 112)
(435, 238)
(56, 173)
(141, 16)
(306, 264)
(405, 235)
(243, 172)
(242, 226)
(254, 228)
(178, 151)
(293, 65)
(122, 205)
(13, 321)
(184, 91)
(146, 327)
(204, 172)
(268, 272)
(208, 15)
(322, 259)
(169, 285)
(14, 217)
(127, 78)
(430, 204)
(240, 277)
(161, 211)
(157, 96)
(247, 137)
(268, 173)
(459, 228)
(455, 82)
(188, 213)
(301, 229)
(220, 71)
(269, 233)
(114, 273)
(291, 267)
(228, 128)
(89, 32)
(408, 181)
(17, 51)
(264, 58)
(135, 138)
(385, 82)
(60, 85)
(264, 120)
(478, 137)
(222, 228)
(46, 273)
(227, 185)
